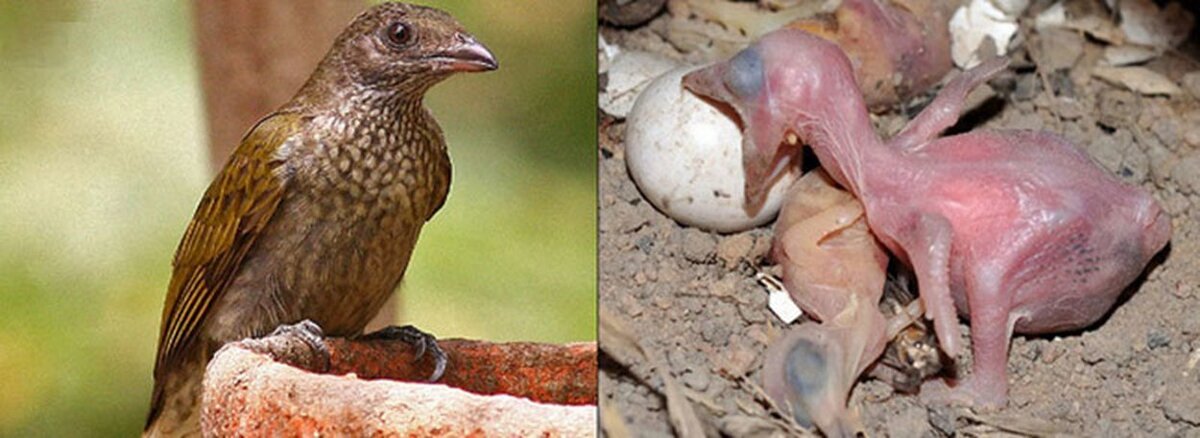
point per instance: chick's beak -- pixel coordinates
(758, 166)
(466, 55)
(706, 81)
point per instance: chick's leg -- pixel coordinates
(928, 247)
(991, 329)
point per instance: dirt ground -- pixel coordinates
(691, 300)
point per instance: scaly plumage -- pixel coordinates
(316, 213)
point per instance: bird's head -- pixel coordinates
(778, 86)
(403, 47)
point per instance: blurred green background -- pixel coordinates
(103, 158)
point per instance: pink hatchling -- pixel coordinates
(1019, 231)
(834, 269)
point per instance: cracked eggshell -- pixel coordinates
(978, 21)
(686, 157)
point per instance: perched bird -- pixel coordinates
(316, 213)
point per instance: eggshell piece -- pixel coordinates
(628, 74)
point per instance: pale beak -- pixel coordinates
(467, 55)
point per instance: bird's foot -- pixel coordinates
(301, 344)
(423, 342)
(967, 392)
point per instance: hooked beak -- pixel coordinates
(466, 55)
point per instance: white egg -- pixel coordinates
(686, 157)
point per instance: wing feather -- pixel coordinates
(232, 214)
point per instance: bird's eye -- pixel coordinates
(745, 74)
(399, 34)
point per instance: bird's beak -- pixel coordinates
(706, 82)
(466, 55)
(760, 165)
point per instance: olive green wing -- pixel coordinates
(231, 215)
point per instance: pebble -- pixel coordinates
(1027, 87)
(1161, 163)
(1167, 130)
(1059, 49)
(1068, 109)
(944, 419)
(1156, 339)
(1191, 83)
(698, 246)
(740, 360)
(733, 249)
(1186, 173)
(1117, 108)
(1136, 166)
(1106, 150)
(1181, 405)
(1032, 350)
(645, 244)
(911, 421)
(1052, 351)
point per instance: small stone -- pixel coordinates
(662, 301)
(1191, 83)
(645, 244)
(1191, 136)
(725, 287)
(1117, 108)
(1186, 173)
(1135, 166)
(1052, 352)
(714, 331)
(1167, 130)
(1027, 87)
(1106, 150)
(1058, 49)
(1032, 350)
(733, 249)
(633, 308)
(909, 422)
(1180, 405)
(740, 360)
(1161, 163)
(697, 246)
(944, 419)
(1156, 339)
(1068, 109)
(762, 246)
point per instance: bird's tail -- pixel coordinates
(175, 404)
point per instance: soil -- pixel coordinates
(691, 300)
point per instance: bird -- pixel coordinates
(315, 215)
(1020, 231)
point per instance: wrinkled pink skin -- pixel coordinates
(834, 269)
(1019, 231)
(827, 253)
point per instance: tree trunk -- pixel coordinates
(255, 54)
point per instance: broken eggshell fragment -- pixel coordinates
(628, 73)
(685, 155)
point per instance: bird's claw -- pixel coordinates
(423, 342)
(311, 335)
